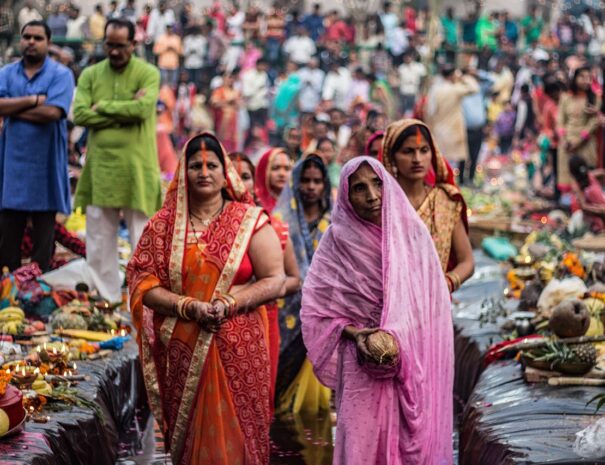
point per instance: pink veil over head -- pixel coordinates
(362, 273)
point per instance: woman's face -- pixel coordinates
(375, 147)
(583, 80)
(279, 173)
(365, 194)
(311, 186)
(246, 175)
(413, 159)
(205, 174)
(326, 151)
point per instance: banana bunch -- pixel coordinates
(42, 387)
(11, 321)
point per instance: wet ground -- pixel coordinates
(295, 440)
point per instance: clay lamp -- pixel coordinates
(24, 376)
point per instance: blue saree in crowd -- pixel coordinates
(297, 387)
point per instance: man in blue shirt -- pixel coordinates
(314, 22)
(35, 96)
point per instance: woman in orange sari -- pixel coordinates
(196, 308)
(410, 154)
(225, 101)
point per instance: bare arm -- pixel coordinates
(268, 265)
(41, 114)
(461, 246)
(293, 280)
(11, 106)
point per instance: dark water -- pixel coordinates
(295, 440)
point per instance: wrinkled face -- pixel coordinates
(375, 147)
(279, 172)
(34, 43)
(311, 185)
(413, 159)
(205, 174)
(365, 194)
(117, 47)
(326, 151)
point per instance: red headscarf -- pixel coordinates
(265, 196)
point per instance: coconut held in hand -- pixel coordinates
(383, 347)
(570, 318)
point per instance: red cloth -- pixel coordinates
(261, 180)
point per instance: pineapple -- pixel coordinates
(585, 353)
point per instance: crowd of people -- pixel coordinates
(272, 221)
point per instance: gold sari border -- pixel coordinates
(236, 255)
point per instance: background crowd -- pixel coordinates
(488, 84)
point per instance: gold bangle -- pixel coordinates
(181, 307)
(455, 280)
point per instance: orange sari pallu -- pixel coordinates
(209, 393)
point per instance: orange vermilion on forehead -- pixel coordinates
(204, 159)
(418, 136)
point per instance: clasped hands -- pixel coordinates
(210, 316)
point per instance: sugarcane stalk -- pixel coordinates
(568, 381)
(535, 343)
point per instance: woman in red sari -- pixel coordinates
(245, 169)
(201, 333)
(272, 174)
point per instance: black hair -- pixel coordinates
(212, 144)
(325, 139)
(120, 23)
(411, 132)
(241, 157)
(578, 168)
(573, 87)
(552, 87)
(314, 160)
(447, 71)
(525, 88)
(38, 23)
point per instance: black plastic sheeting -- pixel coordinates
(472, 336)
(76, 435)
(508, 421)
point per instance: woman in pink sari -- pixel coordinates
(375, 272)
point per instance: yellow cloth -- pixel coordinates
(305, 394)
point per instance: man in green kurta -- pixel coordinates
(116, 101)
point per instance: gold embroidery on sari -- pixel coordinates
(236, 255)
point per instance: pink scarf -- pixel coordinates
(390, 277)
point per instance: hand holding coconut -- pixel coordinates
(374, 345)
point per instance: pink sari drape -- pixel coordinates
(391, 278)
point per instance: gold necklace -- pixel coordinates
(206, 222)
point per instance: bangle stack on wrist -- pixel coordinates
(454, 280)
(182, 306)
(229, 301)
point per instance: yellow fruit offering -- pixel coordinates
(4, 422)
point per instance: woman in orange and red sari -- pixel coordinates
(245, 169)
(410, 154)
(197, 309)
(226, 102)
